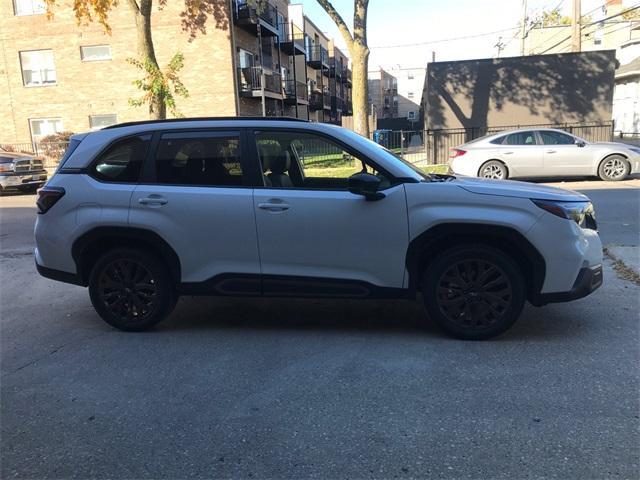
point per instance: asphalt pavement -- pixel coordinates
(239, 388)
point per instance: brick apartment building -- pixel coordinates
(383, 93)
(58, 76)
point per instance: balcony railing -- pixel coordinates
(326, 98)
(250, 80)
(335, 67)
(315, 100)
(295, 90)
(292, 39)
(336, 104)
(317, 57)
(248, 14)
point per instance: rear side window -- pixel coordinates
(199, 158)
(498, 141)
(122, 162)
(556, 138)
(521, 138)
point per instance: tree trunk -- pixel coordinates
(360, 90)
(146, 52)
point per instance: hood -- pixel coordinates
(614, 144)
(511, 188)
(15, 155)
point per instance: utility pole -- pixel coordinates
(576, 30)
(523, 26)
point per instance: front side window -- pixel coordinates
(95, 53)
(520, 138)
(556, 138)
(38, 68)
(199, 158)
(42, 127)
(29, 7)
(304, 160)
(122, 161)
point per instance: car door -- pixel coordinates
(521, 154)
(196, 196)
(563, 156)
(315, 236)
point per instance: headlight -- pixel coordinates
(580, 212)
(6, 167)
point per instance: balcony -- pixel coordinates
(346, 76)
(315, 100)
(335, 68)
(248, 18)
(250, 81)
(318, 58)
(336, 104)
(295, 92)
(292, 41)
(326, 99)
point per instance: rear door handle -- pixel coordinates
(273, 207)
(153, 199)
(551, 151)
(508, 153)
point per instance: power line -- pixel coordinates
(630, 9)
(453, 39)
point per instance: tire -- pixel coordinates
(473, 292)
(131, 290)
(493, 169)
(614, 168)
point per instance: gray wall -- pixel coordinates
(539, 89)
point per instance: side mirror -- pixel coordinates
(580, 143)
(366, 185)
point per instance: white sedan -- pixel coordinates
(543, 153)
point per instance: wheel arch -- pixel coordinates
(87, 248)
(423, 248)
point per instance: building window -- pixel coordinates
(95, 53)
(38, 68)
(29, 7)
(410, 95)
(411, 115)
(100, 121)
(42, 127)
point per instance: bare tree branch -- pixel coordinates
(340, 23)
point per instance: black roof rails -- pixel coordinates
(193, 119)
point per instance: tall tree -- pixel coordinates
(157, 85)
(359, 52)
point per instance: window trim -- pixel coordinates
(31, 119)
(93, 129)
(16, 14)
(91, 168)
(83, 60)
(148, 175)
(37, 85)
(252, 147)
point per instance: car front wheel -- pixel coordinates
(493, 169)
(614, 168)
(131, 290)
(473, 292)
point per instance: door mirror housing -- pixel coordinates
(580, 143)
(366, 185)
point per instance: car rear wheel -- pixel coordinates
(614, 168)
(493, 169)
(131, 290)
(473, 292)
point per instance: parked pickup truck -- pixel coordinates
(21, 171)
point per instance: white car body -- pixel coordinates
(297, 241)
(579, 158)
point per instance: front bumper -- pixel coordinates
(23, 180)
(589, 279)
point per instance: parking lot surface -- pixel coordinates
(285, 388)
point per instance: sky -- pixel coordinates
(403, 22)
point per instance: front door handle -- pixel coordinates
(508, 153)
(273, 207)
(153, 200)
(551, 151)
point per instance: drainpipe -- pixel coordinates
(234, 61)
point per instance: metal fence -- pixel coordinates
(50, 152)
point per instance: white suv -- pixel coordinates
(142, 213)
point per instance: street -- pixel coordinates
(239, 388)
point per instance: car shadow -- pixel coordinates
(394, 317)
(569, 180)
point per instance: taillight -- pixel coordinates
(456, 152)
(48, 197)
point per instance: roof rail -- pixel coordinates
(194, 119)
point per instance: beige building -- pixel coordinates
(410, 84)
(383, 94)
(57, 76)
